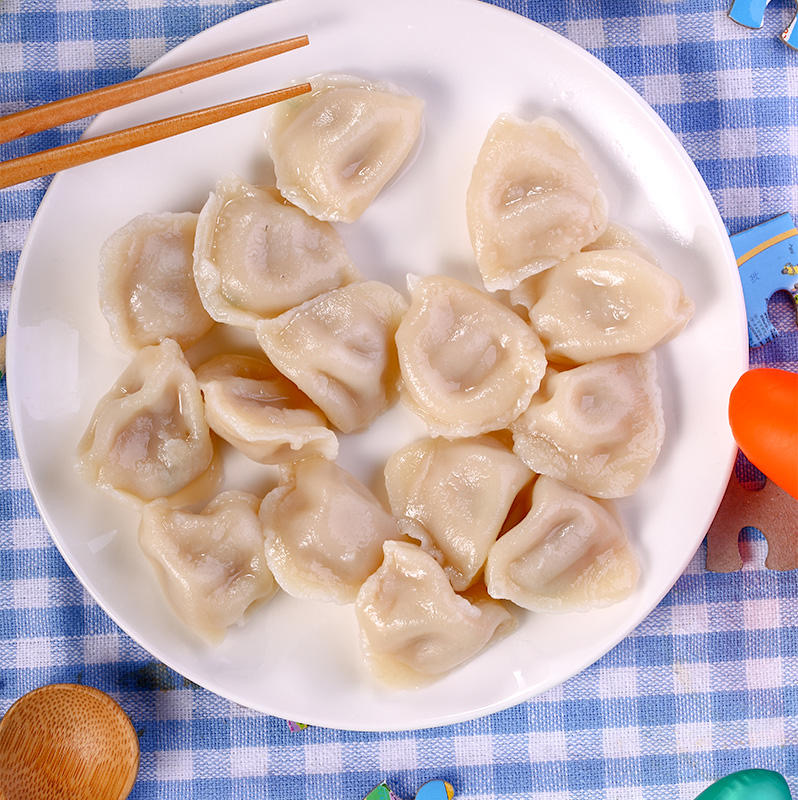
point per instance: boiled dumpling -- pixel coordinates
(605, 303)
(616, 237)
(212, 565)
(324, 531)
(148, 436)
(256, 255)
(261, 413)
(570, 553)
(335, 148)
(468, 363)
(532, 201)
(339, 349)
(455, 495)
(598, 427)
(147, 290)
(413, 626)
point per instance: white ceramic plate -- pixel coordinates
(469, 61)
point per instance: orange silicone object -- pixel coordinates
(763, 413)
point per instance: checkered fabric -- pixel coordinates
(708, 684)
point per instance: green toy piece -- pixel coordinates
(381, 792)
(432, 790)
(750, 784)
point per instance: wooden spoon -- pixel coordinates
(67, 742)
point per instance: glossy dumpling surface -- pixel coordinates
(469, 364)
(212, 565)
(148, 436)
(147, 290)
(414, 627)
(335, 148)
(339, 350)
(570, 553)
(616, 237)
(256, 255)
(324, 531)
(605, 303)
(261, 413)
(532, 201)
(598, 427)
(457, 494)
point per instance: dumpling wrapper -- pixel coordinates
(211, 565)
(339, 350)
(570, 553)
(604, 303)
(598, 427)
(469, 364)
(146, 286)
(414, 628)
(324, 531)
(335, 148)
(256, 255)
(148, 436)
(456, 496)
(261, 413)
(616, 237)
(533, 200)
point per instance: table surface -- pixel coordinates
(707, 685)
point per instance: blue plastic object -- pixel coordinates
(751, 13)
(750, 784)
(435, 790)
(767, 257)
(790, 36)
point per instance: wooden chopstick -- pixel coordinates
(25, 168)
(50, 115)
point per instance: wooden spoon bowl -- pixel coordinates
(67, 742)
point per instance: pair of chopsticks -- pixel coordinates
(47, 116)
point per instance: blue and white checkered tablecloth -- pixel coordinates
(708, 684)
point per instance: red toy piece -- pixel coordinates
(763, 413)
